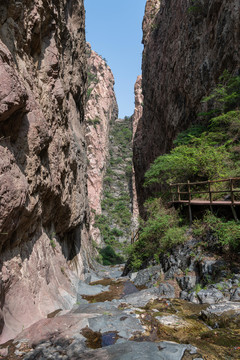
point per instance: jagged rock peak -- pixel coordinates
(151, 9)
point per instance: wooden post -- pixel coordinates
(189, 205)
(210, 192)
(172, 193)
(234, 213)
(190, 213)
(189, 192)
(178, 191)
(231, 190)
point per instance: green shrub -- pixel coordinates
(226, 95)
(96, 121)
(226, 233)
(158, 233)
(117, 232)
(89, 91)
(109, 256)
(200, 161)
(52, 243)
(92, 78)
(209, 150)
(187, 136)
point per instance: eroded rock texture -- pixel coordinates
(185, 53)
(101, 109)
(138, 111)
(43, 185)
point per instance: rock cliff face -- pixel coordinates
(43, 178)
(186, 49)
(138, 111)
(101, 110)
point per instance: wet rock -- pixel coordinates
(148, 277)
(109, 307)
(85, 289)
(142, 351)
(210, 296)
(123, 350)
(222, 315)
(124, 324)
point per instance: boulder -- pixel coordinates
(187, 282)
(236, 295)
(122, 350)
(222, 315)
(210, 296)
(148, 276)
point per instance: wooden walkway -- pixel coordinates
(192, 191)
(207, 202)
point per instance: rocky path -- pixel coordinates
(114, 320)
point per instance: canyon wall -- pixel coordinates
(101, 109)
(43, 168)
(187, 46)
(138, 112)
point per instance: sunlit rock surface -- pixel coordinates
(100, 111)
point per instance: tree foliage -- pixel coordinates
(205, 151)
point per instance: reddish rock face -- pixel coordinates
(185, 53)
(43, 177)
(138, 111)
(101, 110)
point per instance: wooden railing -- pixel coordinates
(231, 191)
(193, 197)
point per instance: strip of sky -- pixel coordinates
(114, 30)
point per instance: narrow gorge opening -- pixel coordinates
(96, 261)
(113, 205)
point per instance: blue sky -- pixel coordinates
(114, 30)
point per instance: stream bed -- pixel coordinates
(114, 320)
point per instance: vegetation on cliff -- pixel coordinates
(115, 221)
(206, 151)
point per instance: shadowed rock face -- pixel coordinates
(101, 109)
(43, 184)
(184, 54)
